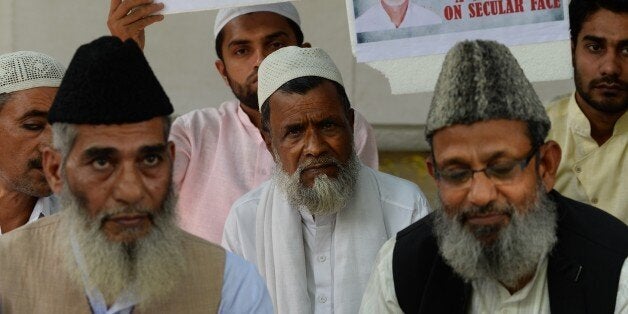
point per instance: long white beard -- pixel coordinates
(150, 266)
(327, 195)
(516, 252)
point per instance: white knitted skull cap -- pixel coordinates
(28, 69)
(285, 9)
(293, 62)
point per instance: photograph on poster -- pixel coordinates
(433, 26)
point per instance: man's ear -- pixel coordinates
(306, 45)
(550, 153)
(429, 162)
(268, 141)
(351, 118)
(171, 150)
(51, 163)
(220, 66)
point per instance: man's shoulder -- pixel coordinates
(200, 243)
(210, 115)
(36, 241)
(388, 181)
(370, 13)
(420, 230)
(39, 229)
(557, 107)
(590, 225)
(250, 199)
(396, 190)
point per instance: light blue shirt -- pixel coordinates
(243, 290)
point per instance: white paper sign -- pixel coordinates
(433, 26)
(180, 6)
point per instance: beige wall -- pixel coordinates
(180, 49)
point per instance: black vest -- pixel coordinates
(583, 267)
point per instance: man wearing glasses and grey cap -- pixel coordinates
(501, 240)
(28, 84)
(220, 152)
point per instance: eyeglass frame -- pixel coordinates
(522, 163)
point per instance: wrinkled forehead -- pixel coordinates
(122, 137)
(26, 103)
(481, 140)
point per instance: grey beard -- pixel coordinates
(150, 266)
(327, 195)
(515, 254)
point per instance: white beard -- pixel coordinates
(516, 252)
(327, 195)
(149, 267)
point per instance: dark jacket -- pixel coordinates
(583, 267)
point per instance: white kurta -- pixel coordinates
(326, 246)
(376, 18)
(488, 296)
(44, 207)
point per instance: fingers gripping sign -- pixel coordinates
(128, 18)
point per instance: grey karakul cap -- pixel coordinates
(481, 80)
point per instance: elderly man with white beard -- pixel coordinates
(501, 240)
(314, 229)
(115, 247)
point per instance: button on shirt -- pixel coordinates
(592, 174)
(319, 250)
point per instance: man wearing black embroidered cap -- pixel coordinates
(116, 245)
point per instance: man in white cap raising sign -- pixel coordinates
(28, 84)
(220, 152)
(314, 229)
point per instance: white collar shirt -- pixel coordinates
(489, 296)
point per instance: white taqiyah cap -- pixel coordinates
(286, 9)
(27, 69)
(293, 62)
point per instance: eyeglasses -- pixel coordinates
(503, 172)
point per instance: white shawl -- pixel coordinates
(359, 233)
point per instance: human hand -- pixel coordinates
(128, 18)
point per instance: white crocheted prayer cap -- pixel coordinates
(27, 69)
(293, 62)
(224, 16)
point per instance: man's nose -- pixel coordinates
(482, 190)
(315, 145)
(129, 189)
(261, 54)
(610, 64)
